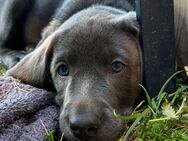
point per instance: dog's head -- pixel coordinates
(94, 62)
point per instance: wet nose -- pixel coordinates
(84, 126)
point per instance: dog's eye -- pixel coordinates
(117, 67)
(63, 70)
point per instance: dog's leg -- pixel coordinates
(12, 18)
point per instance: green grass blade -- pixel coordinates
(133, 126)
(161, 94)
(2, 70)
(147, 96)
(159, 100)
(180, 110)
(167, 82)
(131, 117)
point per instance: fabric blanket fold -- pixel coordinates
(26, 112)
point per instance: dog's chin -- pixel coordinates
(109, 138)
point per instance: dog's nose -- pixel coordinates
(84, 126)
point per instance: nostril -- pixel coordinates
(91, 131)
(84, 126)
(76, 130)
(83, 131)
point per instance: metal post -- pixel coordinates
(156, 18)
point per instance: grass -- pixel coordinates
(2, 70)
(164, 118)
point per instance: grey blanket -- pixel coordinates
(25, 111)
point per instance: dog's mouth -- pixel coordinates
(110, 129)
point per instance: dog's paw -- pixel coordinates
(11, 58)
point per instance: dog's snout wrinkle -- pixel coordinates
(86, 84)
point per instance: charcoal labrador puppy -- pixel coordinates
(92, 59)
(90, 56)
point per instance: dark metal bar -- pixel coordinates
(156, 18)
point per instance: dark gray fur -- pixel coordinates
(88, 41)
(88, 36)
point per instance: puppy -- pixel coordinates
(92, 60)
(89, 54)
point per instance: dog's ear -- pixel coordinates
(127, 22)
(34, 68)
